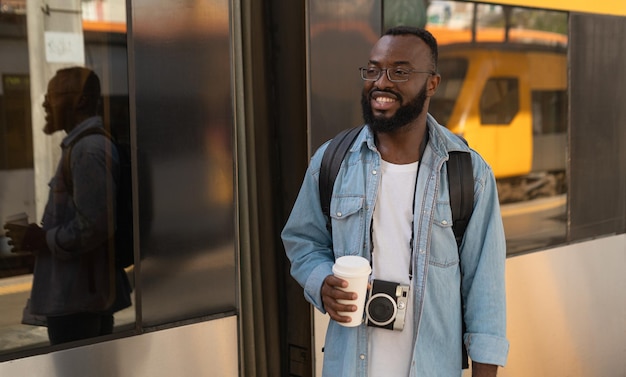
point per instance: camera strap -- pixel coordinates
(419, 163)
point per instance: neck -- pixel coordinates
(78, 119)
(402, 146)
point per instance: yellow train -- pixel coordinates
(509, 101)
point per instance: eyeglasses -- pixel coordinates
(49, 95)
(393, 74)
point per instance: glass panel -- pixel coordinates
(185, 149)
(79, 211)
(342, 34)
(454, 71)
(598, 136)
(509, 101)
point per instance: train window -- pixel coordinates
(509, 100)
(16, 142)
(499, 102)
(549, 110)
(453, 72)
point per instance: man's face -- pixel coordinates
(387, 105)
(59, 105)
(405, 114)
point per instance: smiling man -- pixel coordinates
(391, 205)
(77, 285)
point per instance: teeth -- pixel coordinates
(385, 99)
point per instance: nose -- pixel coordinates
(383, 81)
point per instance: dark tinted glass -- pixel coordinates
(499, 101)
(453, 72)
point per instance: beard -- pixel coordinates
(405, 114)
(49, 129)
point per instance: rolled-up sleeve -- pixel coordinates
(483, 262)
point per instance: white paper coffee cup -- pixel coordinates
(356, 271)
(18, 218)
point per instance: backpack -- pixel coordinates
(124, 244)
(460, 179)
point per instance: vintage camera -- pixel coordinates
(386, 305)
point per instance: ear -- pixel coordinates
(81, 102)
(86, 105)
(433, 84)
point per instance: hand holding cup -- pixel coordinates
(24, 236)
(349, 282)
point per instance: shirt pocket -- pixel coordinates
(443, 250)
(348, 222)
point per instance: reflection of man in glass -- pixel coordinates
(75, 276)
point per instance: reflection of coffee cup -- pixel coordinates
(18, 219)
(356, 271)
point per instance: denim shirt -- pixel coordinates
(437, 269)
(77, 274)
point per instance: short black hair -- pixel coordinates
(85, 81)
(422, 34)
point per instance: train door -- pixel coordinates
(549, 102)
(493, 108)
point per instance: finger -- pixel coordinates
(334, 281)
(336, 293)
(337, 309)
(336, 312)
(339, 318)
(334, 304)
(14, 227)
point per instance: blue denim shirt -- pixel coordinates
(78, 275)
(437, 269)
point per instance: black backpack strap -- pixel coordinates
(67, 167)
(331, 162)
(461, 187)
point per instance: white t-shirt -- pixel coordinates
(391, 351)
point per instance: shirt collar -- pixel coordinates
(92, 122)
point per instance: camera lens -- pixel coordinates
(381, 309)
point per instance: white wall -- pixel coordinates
(567, 311)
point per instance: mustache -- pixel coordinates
(398, 96)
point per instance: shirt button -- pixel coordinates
(374, 172)
(444, 222)
(339, 214)
(362, 357)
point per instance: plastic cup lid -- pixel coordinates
(352, 265)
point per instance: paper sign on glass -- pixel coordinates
(64, 47)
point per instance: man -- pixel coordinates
(390, 205)
(75, 278)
